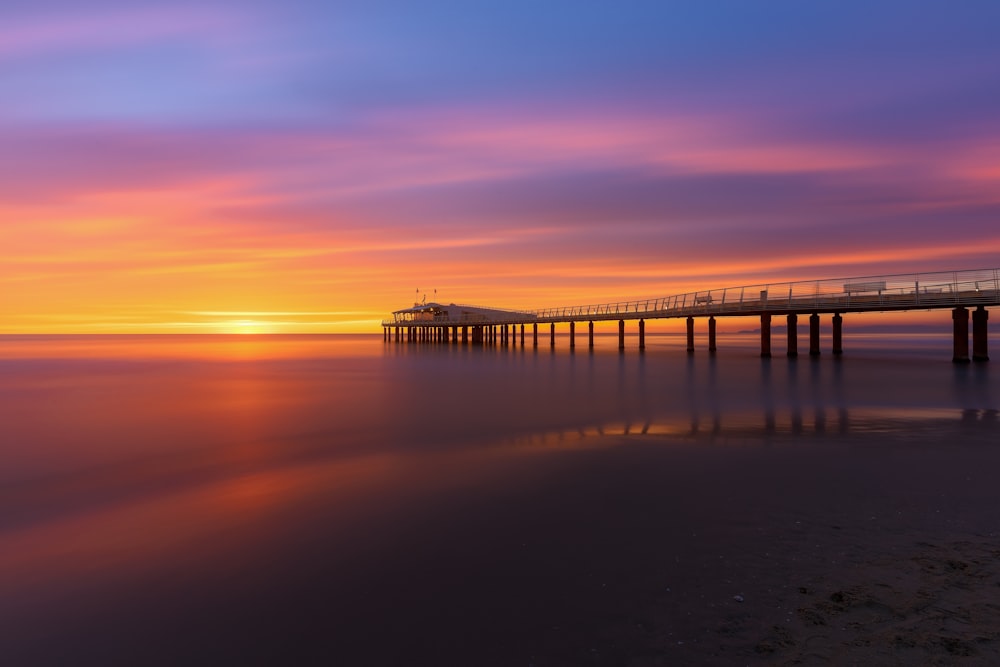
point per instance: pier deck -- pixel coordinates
(955, 290)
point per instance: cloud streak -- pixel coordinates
(311, 166)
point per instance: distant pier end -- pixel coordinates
(963, 292)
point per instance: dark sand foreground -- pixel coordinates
(876, 546)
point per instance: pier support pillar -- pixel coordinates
(534, 334)
(838, 334)
(572, 335)
(711, 334)
(522, 335)
(765, 335)
(447, 338)
(621, 335)
(690, 334)
(454, 334)
(979, 347)
(590, 334)
(642, 334)
(552, 335)
(465, 335)
(814, 335)
(960, 318)
(793, 335)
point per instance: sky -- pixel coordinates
(293, 166)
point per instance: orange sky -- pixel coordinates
(179, 207)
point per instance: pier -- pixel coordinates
(967, 294)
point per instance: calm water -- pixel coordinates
(341, 500)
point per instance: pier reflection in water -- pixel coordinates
(541, 391)
(927, 426)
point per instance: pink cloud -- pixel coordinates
(35, 35)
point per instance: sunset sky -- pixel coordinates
(307, 166)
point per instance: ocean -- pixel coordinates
(341, 500)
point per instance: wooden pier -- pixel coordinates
(965, 293)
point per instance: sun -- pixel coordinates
(247, 327)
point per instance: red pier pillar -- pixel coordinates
(690, 334)
(621, 335)
(591, 334)
(711, 334)
(572, 335)
(642, 334)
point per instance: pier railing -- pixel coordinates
(911, 291)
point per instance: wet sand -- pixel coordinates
(877, 548)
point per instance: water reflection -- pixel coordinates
(909, 426)
(127, 466)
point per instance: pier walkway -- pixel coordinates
(959, 291)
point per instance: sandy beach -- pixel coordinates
(871, 549)
(595, 549)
